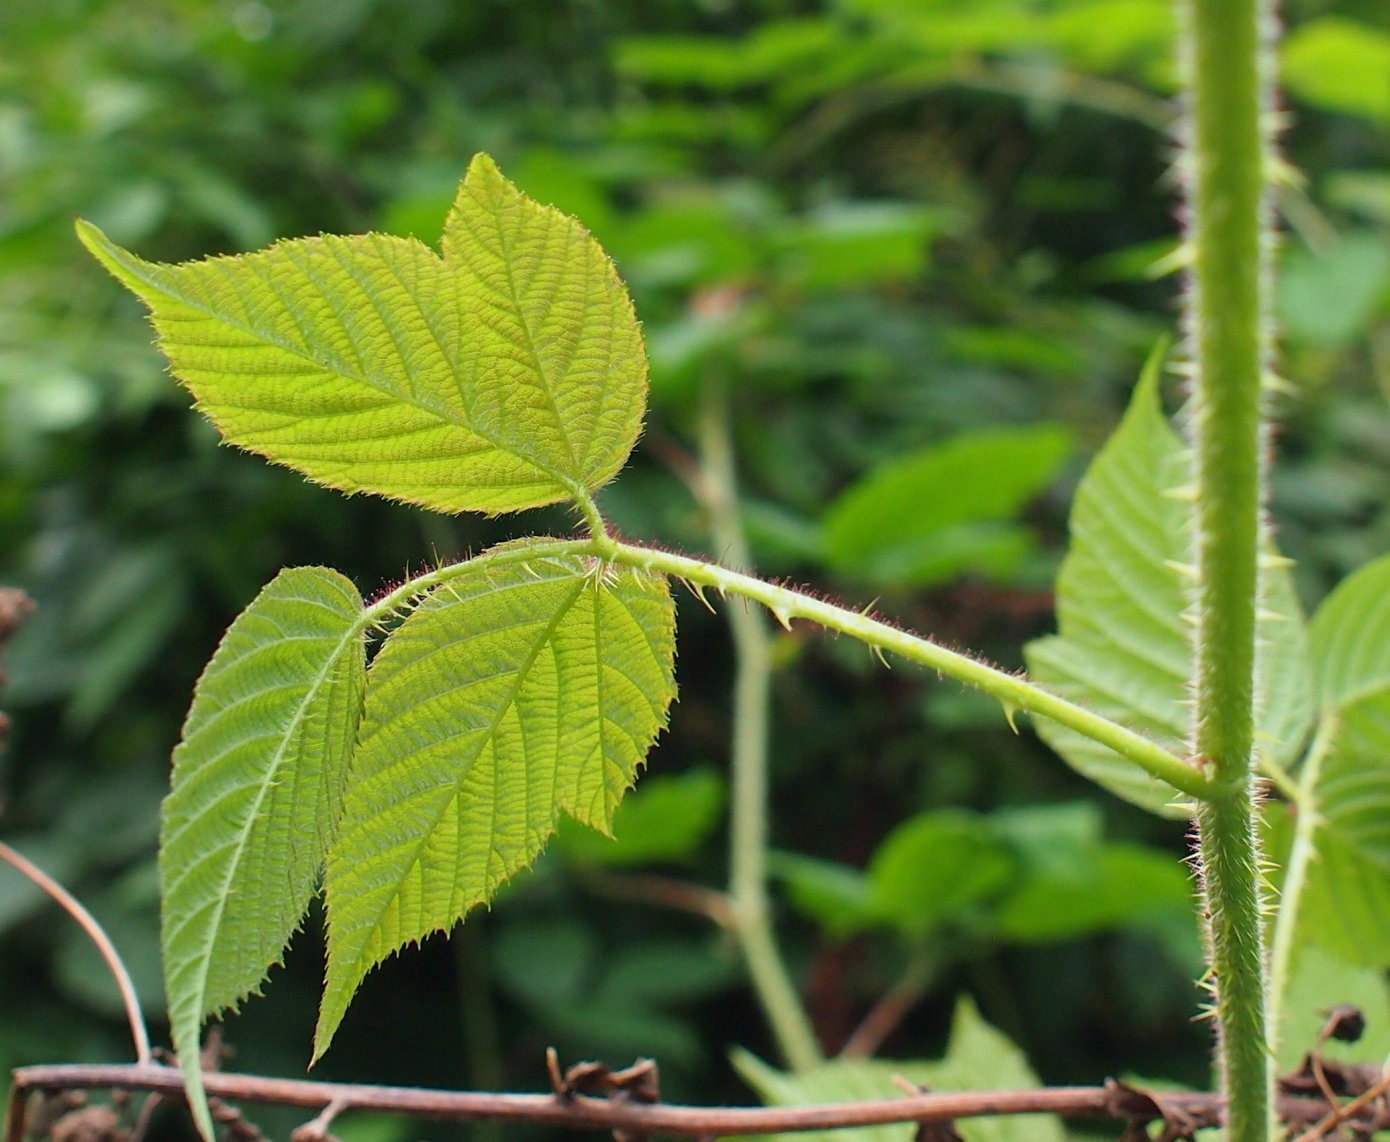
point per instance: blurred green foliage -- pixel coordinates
(891, 226)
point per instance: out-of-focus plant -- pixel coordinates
(886, 228)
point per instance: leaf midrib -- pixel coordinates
(530, 340)
(338, 368)
(243, 833)
(522, 671)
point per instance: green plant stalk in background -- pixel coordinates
(748, 757)
(1226, 158)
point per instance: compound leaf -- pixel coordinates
(257, 787)
(511, 694)
(508, 374)
(1122, 646)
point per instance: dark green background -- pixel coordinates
(881, 224)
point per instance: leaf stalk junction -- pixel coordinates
(787, 604)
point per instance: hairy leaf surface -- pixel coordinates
(506, 375)
(978, 1057)
(257, 787)
(512, 694)
(1122, 646)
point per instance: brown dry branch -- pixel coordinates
(633, 1117)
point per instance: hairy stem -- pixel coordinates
(1012, 691)
(748, 760)
(1227, 60)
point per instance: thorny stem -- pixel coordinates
(1012, 691)
(88, 923)
(1227, 158)
(748, 760)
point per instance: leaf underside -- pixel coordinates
(507, 374)
(1347, 896)
(257, 786)
(512, 694)
(1122, 647)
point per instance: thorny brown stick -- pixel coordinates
(579, 1112)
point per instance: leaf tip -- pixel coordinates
(483, 168)
(91, 236)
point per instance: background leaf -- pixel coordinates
(257, 785)
(930, 516)
(934, 869)
(511, 694)
(978, 1057)
(1073, 882)
(1122, 647)
(1349, 638)
(1318, 981)
(369, 364)
(665, 820)
(1346, 899)
(1333, 297)
(1339, 64)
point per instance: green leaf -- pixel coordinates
(1340, 65)
(834, 895)
(924, 518)
(1346, 902)
(508, 374)
(1332, 297)
(935, 869)
(511, 694)
(1072, 882)
(1121, 885)
(1347, 896)
(978, 1058)
(1122, 645)
(257, 787)
(844, 244)
(665, 820)
(1320, 980)
(667, 972)
(1349, 637)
